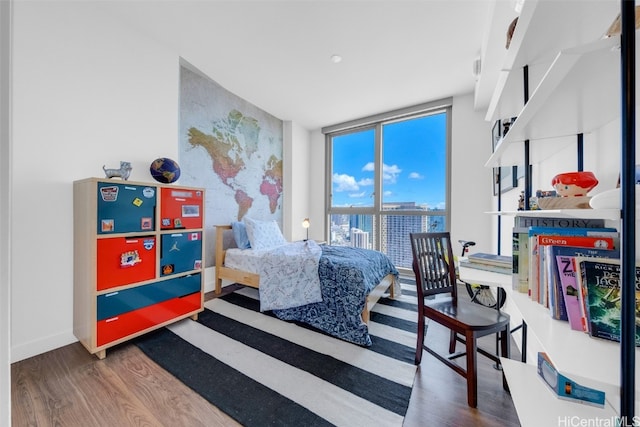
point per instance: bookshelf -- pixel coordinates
(582, 82)
(590, 361)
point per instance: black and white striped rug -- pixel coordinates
(263, 371)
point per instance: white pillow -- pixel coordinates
(264, 234)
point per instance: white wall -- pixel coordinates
(296, 197)
(471, 182)
(88, 91)
(317, 178)
(5, 212)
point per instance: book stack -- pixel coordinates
(489, 262)
(525, 268)
(572, 267)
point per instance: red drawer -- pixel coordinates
(181, 208)
(122, 261)
(129, 323)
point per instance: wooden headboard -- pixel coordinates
(225, 273)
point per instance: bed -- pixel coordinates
(351, 281)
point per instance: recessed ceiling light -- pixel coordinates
(336, 58)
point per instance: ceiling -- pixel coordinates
(276, 54)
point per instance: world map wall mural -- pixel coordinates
(232, 149)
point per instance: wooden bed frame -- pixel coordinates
(253, 280)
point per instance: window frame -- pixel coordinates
(376, 122)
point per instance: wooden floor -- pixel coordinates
(70, 387)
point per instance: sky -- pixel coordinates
(414, 161)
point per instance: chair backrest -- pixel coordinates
(433, 264)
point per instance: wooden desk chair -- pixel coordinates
(433, 265)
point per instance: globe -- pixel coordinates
(165, 170)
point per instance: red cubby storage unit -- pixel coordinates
(181, 208)
(124, 233)
(124, 260)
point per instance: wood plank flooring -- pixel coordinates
(70, 387)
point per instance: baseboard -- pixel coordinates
(42, 345)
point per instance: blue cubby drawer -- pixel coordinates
(125, 208)
(180, 252)
(115, 303)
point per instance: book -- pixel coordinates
(544, 274)
(555, 234)
(520, 242)
(600, 282)
(558, 222)
(564, 387)
(490, 259)
(486, 267)
(564, 277)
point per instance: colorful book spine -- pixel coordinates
(520, 242)
(599, 278)
(565, 277)
(557, 236)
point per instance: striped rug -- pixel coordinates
(263, 371)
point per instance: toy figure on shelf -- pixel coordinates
(574, 184)
(123, 172)
(521, 201)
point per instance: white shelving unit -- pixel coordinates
(575, 88)
(537, 406)
(544, 29)
(590, 361)
(578, 94)
(610, 214)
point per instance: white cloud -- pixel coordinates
(415, 175)
(344, 182)
(390, 173)
(364, 182)
(358, 195)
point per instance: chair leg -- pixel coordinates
(505, 349)
(452, 342)
(472, 367)
(420, 340)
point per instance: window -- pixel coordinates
(388, 176)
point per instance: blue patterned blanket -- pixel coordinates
(347, 275)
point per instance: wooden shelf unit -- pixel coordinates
(138, 252)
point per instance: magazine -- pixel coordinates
(486, 267)
(490, 259)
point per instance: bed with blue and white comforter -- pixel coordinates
(333, 299)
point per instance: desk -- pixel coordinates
(483, 277)
(489, 278)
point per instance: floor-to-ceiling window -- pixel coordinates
(388, 176)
